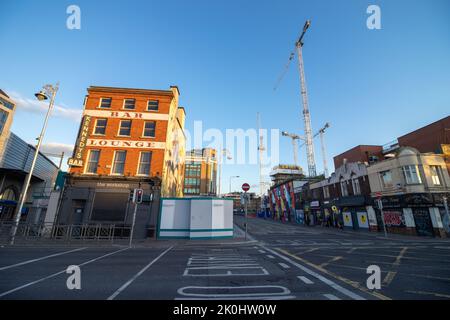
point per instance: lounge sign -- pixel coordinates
(77, 159)
(139, 144)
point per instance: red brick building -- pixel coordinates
(361, 153)
(430, 138)
(128, 138)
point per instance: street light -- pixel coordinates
(231, 177)
(222, 153)
(47, 90)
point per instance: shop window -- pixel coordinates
(326, 192)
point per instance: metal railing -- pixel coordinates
(71, 232)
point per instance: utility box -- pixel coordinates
(195, 218)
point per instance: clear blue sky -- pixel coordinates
(225, 56)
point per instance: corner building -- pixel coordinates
(128, 138)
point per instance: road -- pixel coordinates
(278, 261)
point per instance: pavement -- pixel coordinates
(276, 261)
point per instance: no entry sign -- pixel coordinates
(245, 187)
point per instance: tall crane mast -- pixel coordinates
(306, 114)
(322, 144)
(294, 138)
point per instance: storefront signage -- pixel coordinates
(418, 200)
(125, 144)
(113, 185)
(127, 115)
(77, 159)
(315, 204)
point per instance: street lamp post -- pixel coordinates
(220, 164)
(231, 177)
(47, 90)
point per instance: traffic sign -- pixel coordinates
(245, 187)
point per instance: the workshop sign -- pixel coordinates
(77, 159)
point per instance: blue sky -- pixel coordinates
(225, 56)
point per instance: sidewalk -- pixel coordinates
(336, 231)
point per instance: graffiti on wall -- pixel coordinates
(394, 219)
(282, 202)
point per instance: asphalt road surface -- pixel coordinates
(276, 261)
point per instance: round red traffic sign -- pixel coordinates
(245, 187)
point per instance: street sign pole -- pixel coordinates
(138, 194)
(246, 204)
(380, 206)
(245, 187)
(133, 223)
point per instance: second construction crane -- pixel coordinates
(306, 114)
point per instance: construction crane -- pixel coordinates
(320, 133)
(306, 114)
(294, 138)
(322, 144)
(261, 149)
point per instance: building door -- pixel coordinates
(424, 226)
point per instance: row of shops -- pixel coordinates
(421, 214)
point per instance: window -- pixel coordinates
(144, 163)
(435, 175)
(411, 174)
(356, 186)
(326, 192)
(344, 189)
(92, 163)
(129, 104)
(152, 105)
(3, 118)
(149, 129)
(386, 179)
(119, 162)
(105, 103)
(100, 126)
(125, 128)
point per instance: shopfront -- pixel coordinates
(354, 212)
(413, 214)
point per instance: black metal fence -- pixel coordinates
(65, 233)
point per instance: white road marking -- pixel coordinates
(331, 297)
(284, 265)
(261, 251)
(318, 276)
(276, 291)
(39, 259)
(126, 284)
(305, 279)
(58, 273)
(270, 256)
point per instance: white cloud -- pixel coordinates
(35, 106)
(57, 148)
